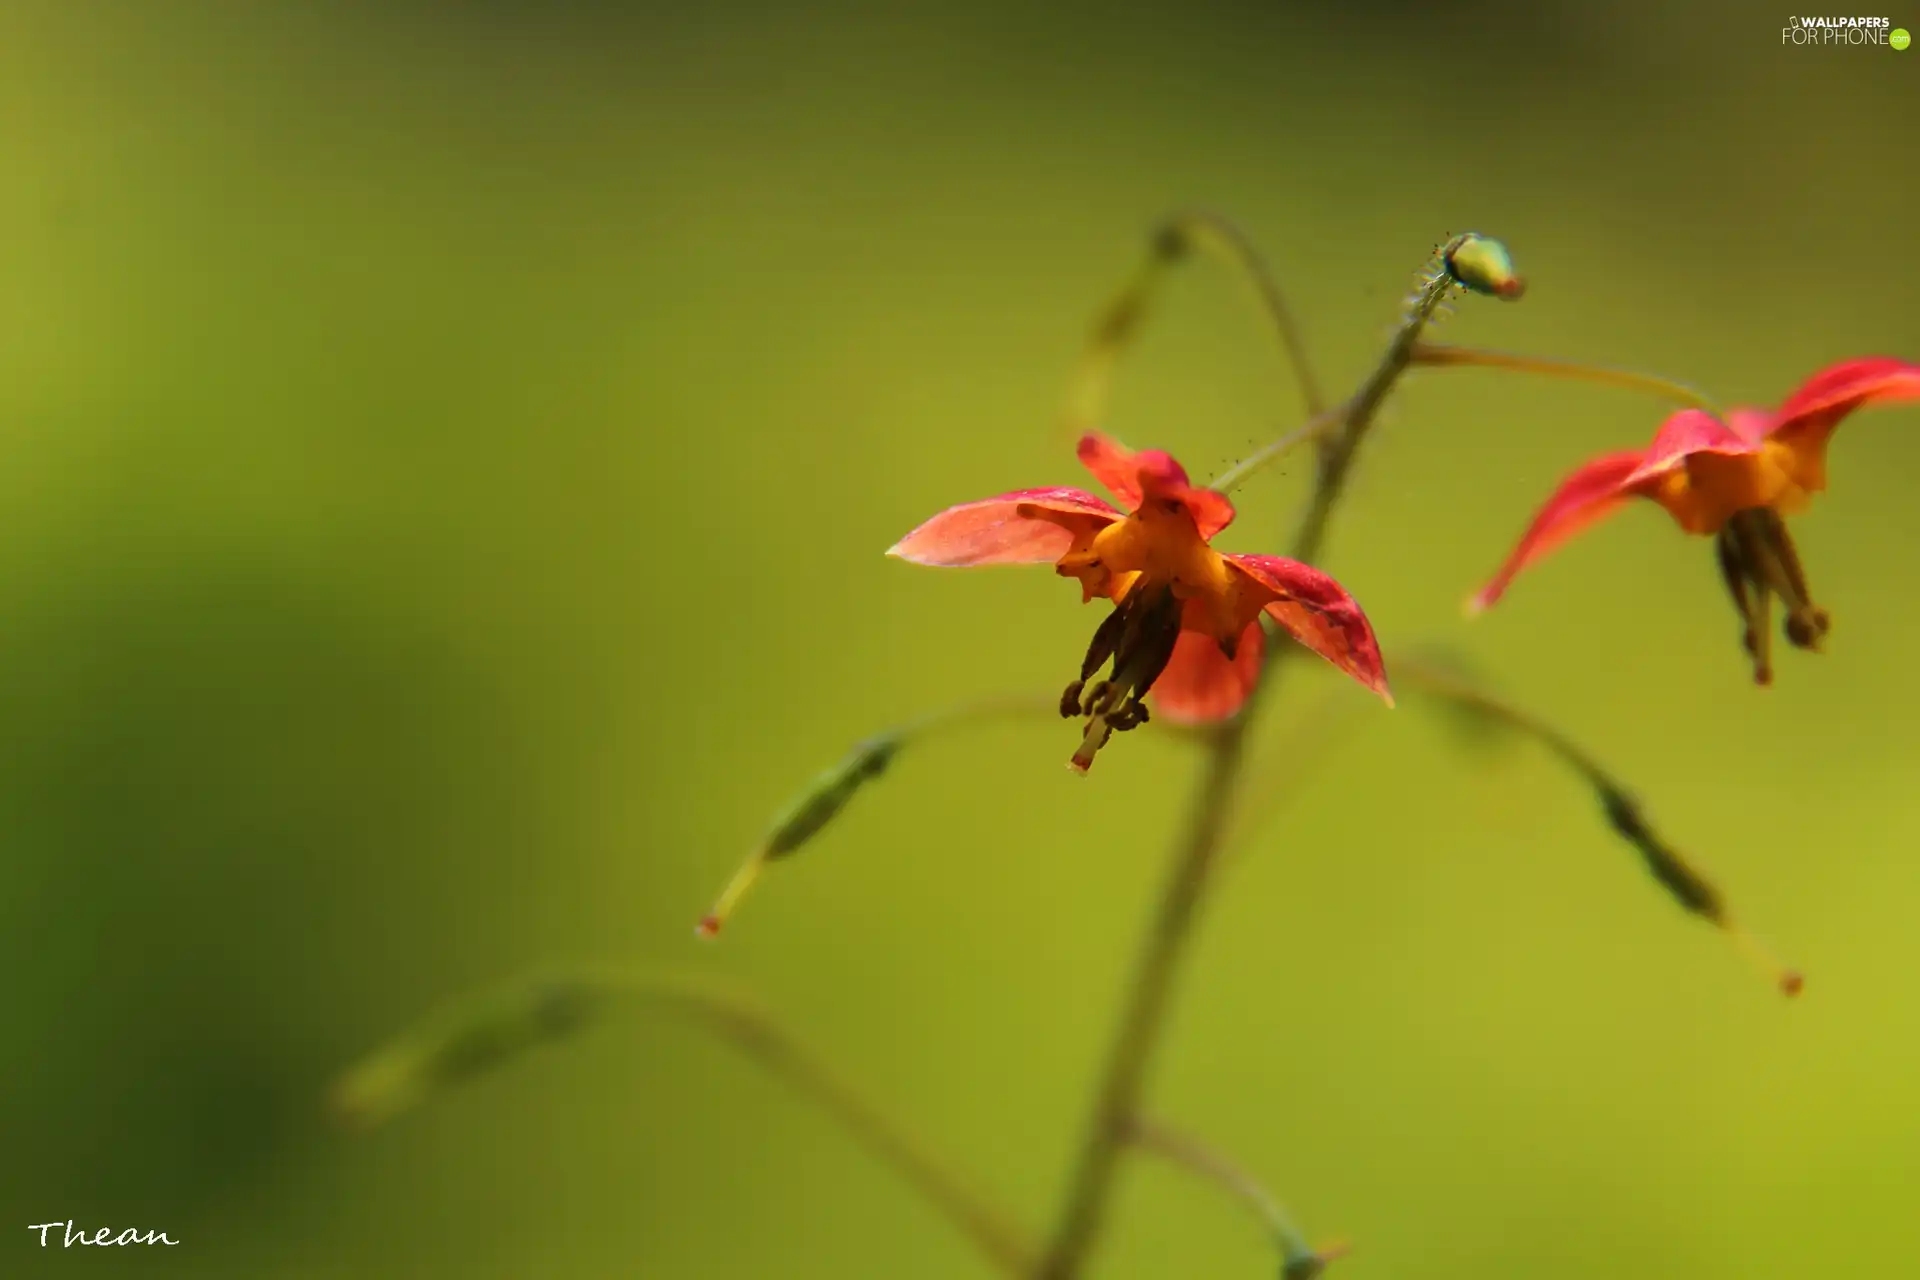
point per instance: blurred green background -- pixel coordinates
(448, 451)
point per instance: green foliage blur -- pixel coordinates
(447, 452)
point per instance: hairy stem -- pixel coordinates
(1427, 353)
(1143, 1015)
(1337, 452)
(1315, 430)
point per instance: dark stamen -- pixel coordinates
(1148, 645)
(1070, 700)
(1772, 565)
(1139, 636)
(1106, 637)
(1773, 533)
(1749, 597)
(1807, 623)
(1806, 630)
(1761, 632)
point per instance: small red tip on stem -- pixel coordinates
(722, 909)
(1788, 981)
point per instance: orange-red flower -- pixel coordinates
(1186, 618)
(1734, 480)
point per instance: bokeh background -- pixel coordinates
(447, 455)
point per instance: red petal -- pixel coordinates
(1686, 433)
(1133, 477)
(1318, 612)
(1112, 464)
(1752, 425)
(1808, 418)
(1594, 491)
(1199, 683)
(1852, 383)
(991, 531)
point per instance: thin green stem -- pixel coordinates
(1003, 707)
(1438, 682)
(1338, 452)
(1315, 430)
(1313, 741)
(829, 793)
(1209, 817)
(1427, 353)
(1216, 234)
(1212, 1165)
(1669, 869)
(1118, 323)
(762, 1038)
(484, 1033)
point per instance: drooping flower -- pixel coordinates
(1734, 480)
(1186, 618)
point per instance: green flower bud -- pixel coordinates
(1482, 264)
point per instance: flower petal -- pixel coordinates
(1684, 435)
(992, 530)
(1164, 480)
(1752, 425)
(1200, 683)
(1112, 464)
(1808, 418)
(1318, 612)
(1592, 492)
(1851, 383)
(1134, 477)
(1703, 470)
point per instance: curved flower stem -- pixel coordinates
(1669, 869)
(1204, 1161)
(486, 1032)
(832, 790)
(1428, 353)
(1172, 240)
(1210, 814)
(1313, 740)
(1315, 430)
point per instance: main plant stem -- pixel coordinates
(1149, 997)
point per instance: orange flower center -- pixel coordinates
(1157, 546)
(1162, 577)
(1713, 487)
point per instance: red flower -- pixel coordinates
(1734, 480)
(1186, 621)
